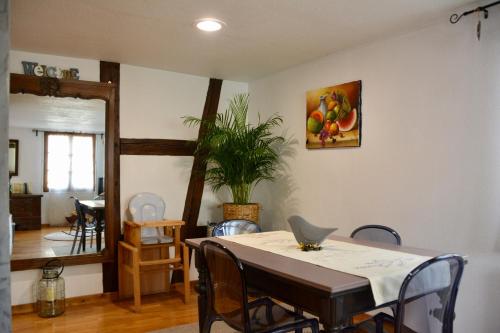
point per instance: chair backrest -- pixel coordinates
(377, 233)
(80, 212)
(431, 289)
(226, 288)
(147, 207)
(235, 227)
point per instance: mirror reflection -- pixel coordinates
(57, 196)
(13, 157)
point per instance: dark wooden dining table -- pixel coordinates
(333, 296)
(96, 208)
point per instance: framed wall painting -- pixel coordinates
(333, 116)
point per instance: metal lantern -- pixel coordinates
(50, 290)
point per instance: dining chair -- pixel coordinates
(377, 233)
(431, 290)
(147, 240)
(82, 227)
(238, 227)
(235, 227)
(228, 298)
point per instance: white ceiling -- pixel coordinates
(57, 114)
(261, 37)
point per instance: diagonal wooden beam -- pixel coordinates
(197, 180)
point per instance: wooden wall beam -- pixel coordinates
(110, 72)
(197, 180)
(157, 147)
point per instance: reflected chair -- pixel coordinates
(82, 227)
(377, 233)
(235, 227)
(427, 295)
(149, 232)
(228, 299)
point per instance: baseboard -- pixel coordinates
(71, 301)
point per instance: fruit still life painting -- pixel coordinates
(333, 116)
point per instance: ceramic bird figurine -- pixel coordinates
(307, 235)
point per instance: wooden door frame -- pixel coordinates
(46, 86)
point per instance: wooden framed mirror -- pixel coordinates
(13, 158)
(110, 210)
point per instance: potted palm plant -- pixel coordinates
(238, 155)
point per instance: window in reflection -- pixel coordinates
(70, 162)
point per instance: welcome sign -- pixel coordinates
(34, 68)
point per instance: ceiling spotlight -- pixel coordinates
(209, 24)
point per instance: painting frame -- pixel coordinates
(334, 116)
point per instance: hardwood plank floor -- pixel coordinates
(158, 311)
(32, 244)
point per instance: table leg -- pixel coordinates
(201, 288)
(98, 230)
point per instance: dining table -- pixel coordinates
(97, 209)
(331, 295)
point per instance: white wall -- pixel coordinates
(152, 103)
(89, 69)
(30, 169)
(429, 164)
(79, 281)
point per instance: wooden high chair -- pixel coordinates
(131, 258)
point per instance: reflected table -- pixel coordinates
(96, 207)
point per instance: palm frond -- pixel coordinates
(237, 154)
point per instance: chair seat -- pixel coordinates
(262, 320)
(156, 240)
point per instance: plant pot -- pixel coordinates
(241, 212)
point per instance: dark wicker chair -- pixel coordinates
(433, 299)
(377, 233)
(228, 300)
(235, 227)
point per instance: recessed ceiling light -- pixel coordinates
(209, 24)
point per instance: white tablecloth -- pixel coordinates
(385, 269)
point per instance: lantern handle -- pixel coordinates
(60, 264)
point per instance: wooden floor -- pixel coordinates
(32, 244)
(158, 311)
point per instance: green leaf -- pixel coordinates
(238, 154)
